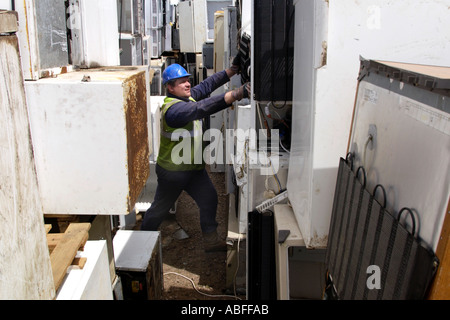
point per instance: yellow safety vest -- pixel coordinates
(180, 149)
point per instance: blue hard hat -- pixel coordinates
(174, 71)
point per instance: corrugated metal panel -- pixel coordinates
(365, 236)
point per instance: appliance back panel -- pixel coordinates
(261, 254)
(273, 50)
(363, 234)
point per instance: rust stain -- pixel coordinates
(324, 53)
(28, 35)
(135, 109)
(317, 242)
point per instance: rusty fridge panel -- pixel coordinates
(91, 139)
(138, 152)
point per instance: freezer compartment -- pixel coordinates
(90, 139)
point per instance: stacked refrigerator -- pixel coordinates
(329, 39)
(91, 139)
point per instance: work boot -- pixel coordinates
(212, 243)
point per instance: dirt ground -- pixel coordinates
(185, 259)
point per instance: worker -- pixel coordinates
(179, 169)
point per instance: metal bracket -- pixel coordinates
(282, 235)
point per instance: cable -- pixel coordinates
(203, 293)
(284, 148)
(279, 117)
(274, 173)
(261, 115)
(267, 111)
(266, 185)
(369, 139)
(275, 176)
(120, 24)
(237, 266)
(260, 118)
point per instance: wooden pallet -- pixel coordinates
(63, 248)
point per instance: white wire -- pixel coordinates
(284, 148)
(279, 117)
(260, 119)
(237, 266)
(203, 293)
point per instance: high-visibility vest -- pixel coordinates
(180, 149)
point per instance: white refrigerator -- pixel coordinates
(91, 139)
(329, 39)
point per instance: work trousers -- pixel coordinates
(170, 185)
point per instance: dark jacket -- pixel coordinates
(185, 111)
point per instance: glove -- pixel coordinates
(246, 88)
(236, 64)
(242, 92)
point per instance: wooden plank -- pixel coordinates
(440, 290)
(83, 242)
(433, 71)
(48, 227)
(441, 285)
(53, 239)
(79, 262)
(66, 250)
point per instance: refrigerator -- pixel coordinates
(42, 34)
(91, 139)
(192, 21)
(393, 187)
(401, 137)
(328, 44)
(94, 35)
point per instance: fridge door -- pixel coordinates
(94, 33)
